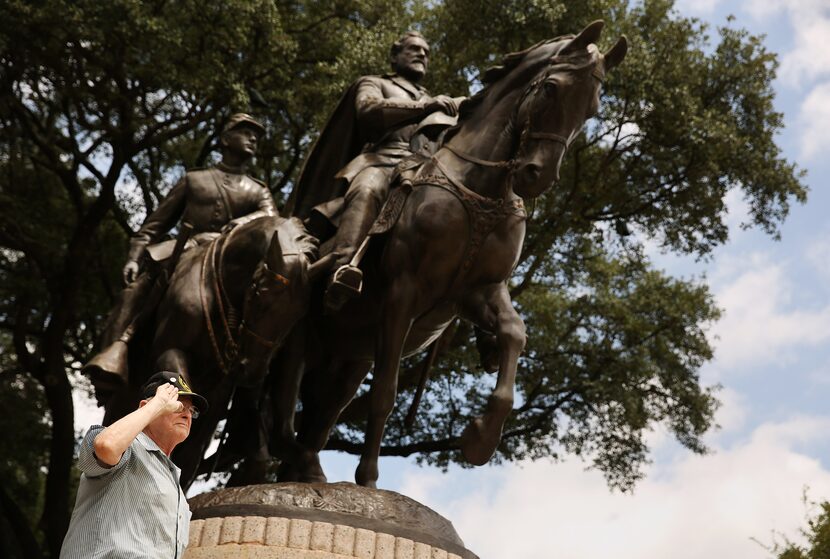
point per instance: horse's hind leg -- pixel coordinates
(491, 309)
(323, 401)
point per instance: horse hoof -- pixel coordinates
(317, 477)
(287, 473)
(366, 476)
(370, 483)
(478, 444)
(311, 471)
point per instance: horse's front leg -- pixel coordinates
(491, 309)
(396, 320)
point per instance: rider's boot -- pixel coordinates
(108, 369)
(347, 281)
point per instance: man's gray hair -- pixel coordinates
(397, 46)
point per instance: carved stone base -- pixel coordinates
(318, 521)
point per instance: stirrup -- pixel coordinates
(347, 283)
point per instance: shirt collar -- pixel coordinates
(414, 89)
(228, 169)
(149, 444)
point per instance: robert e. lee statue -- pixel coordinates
(207, 201)
(366, 137)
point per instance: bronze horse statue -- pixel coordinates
(452, 236)
(216, 321)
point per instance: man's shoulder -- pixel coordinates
(198, 171)
(257, 181)
(396, 82)
(388, 78)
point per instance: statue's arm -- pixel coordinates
(265, 207)
(160, 221)
(375, 111)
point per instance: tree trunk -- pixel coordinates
(56, 510)
(20, 526)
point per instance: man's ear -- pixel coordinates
(223, 139)
(142, 403)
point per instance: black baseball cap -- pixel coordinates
(177, 380)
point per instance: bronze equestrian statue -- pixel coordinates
(206, 201)
(368, 134)
(260, 272)
(446, 244)
(208, 312)
(228, 308)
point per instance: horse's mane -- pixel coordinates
(493, 74)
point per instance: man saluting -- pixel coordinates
(129, 502)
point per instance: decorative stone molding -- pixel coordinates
(318, 521)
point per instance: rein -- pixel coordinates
(223, 358)
(228, 318)
(525, 135)
(276, 278)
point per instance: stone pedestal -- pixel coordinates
(318, 521)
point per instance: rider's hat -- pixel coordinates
(244, 119)
(177, 380)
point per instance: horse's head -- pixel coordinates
(275, 300)
(556, 104)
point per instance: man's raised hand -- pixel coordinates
(168, 398)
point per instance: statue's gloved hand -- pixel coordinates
(444, 104)
(231, 224)
(130, 272)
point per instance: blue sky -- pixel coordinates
(772, 349)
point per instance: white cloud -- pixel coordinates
(759, 325)
(818, 254)
(809, 58)
(814, 120)
(697, 7)
(731, 416)
(689, 508)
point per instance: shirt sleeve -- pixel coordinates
(87, 461)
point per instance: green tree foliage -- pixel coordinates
(104, 104)
(817, 534)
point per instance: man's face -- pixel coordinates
(173, 427)
(413, 59)
(241, 141)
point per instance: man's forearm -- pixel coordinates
(111, 443)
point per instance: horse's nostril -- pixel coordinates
(531, 172)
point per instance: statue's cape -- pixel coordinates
(339, 142)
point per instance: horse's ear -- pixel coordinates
(587, 36)
(616, 53)
(274, 257)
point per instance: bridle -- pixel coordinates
(527, 132)
(278, 280)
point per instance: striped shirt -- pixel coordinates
(133, 510)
